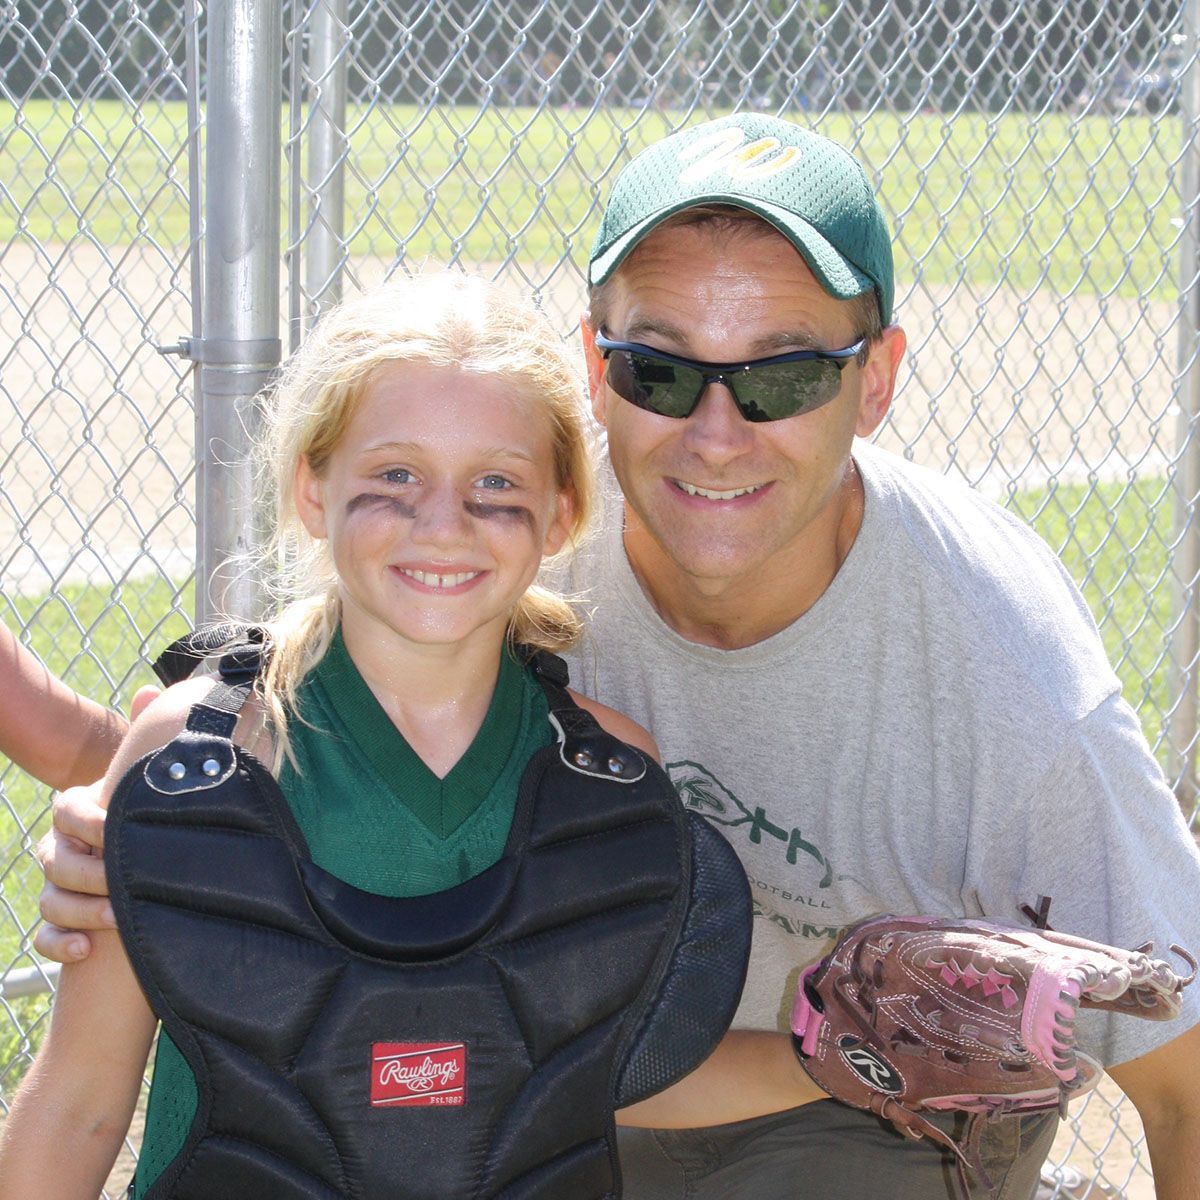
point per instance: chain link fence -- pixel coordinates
(1036, 160)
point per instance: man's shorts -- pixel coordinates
(823, 1151)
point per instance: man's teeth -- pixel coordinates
(711, 494)
(429, 579)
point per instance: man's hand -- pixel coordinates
(75, 895)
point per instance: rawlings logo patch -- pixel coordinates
(875, 1072)
(418, 1074)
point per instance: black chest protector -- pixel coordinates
(472, 1043)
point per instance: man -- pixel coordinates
(883, 689)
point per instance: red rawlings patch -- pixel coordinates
(417, 1074)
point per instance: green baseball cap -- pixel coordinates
(811, 189)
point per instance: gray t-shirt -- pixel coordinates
(940, 733)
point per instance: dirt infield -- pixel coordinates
(1104, 1141)
(96, 428)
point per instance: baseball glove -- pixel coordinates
(914, 1015)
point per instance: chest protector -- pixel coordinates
(471, 1043)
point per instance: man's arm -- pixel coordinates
(46, 728)
(1163, 1088)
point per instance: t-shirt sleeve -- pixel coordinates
(1102, 835)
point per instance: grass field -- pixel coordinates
(1115, 541)
(1060, 202)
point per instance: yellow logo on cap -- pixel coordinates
(727, 150)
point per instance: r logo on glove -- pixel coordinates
(918, 1014)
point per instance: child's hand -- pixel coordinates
(75, 895)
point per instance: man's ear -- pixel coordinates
(879, 379)
(310, 503)
(595, 368)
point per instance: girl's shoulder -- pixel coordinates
(619, 725)
(166, 717)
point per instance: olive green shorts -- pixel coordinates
(823, 1151)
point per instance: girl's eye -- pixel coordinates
(398, 475)
(494, 482)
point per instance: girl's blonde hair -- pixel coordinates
(445, 320)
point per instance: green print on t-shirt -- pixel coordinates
(702, 792)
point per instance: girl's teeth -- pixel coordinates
(710, 494)
(429, 579)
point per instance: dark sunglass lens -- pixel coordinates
(787, 389)
(620, 375)
(662, 387)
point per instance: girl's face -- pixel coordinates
(438, 503)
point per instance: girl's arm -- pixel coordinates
(71, 1113)
(46, 728)
(66, 1125)
(751, 1072)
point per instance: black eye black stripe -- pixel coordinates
(501, 512)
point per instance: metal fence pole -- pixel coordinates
(1185, 625)
(328, 146)
(239, 346)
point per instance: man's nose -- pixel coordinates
(716, 431)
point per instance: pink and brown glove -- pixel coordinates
(913, 1015)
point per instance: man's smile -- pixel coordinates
(707, 493)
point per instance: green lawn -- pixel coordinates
(1115, 540)
(1069, 204)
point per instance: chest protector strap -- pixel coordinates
(470, 1043)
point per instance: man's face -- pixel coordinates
(733, 298)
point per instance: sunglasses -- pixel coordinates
(764, 389)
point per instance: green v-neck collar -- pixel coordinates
(441, 805)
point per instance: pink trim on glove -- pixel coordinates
(1048, 1020)
(806, 1021)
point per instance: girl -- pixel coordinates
(426, 449)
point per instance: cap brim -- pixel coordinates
(836, 274)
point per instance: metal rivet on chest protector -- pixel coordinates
(210, 767)
(617, 766)
(177, 771)
(584, 759)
